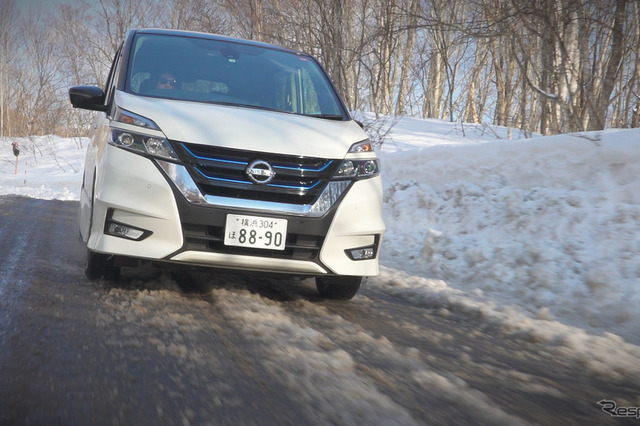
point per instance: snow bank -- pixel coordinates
(547, 226)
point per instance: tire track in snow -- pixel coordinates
(321, 375)
(444, 368)
(607, 356)
(401, 371)
(345, 375)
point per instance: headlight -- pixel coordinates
(359, 169)
(144, 144)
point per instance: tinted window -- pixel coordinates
(205, 70)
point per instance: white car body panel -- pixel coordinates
(140, 196)
(355, 226)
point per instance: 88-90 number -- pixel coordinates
(252, 237)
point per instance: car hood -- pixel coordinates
(246, 128)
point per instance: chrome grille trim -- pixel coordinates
(222, 172)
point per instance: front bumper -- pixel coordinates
(133, 190)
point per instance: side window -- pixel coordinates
(110, 86)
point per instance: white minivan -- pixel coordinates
(226, 153)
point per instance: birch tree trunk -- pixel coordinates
(635, 105)
(403, 83)
(7, 20)
(602, 101)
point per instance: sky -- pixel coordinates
(538, 237)
(24, 6)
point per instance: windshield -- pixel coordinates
(204, 70)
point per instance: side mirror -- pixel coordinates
(87, 97)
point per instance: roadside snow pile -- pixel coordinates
(547, 227)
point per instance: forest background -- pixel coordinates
(541, 66)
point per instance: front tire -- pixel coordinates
(100, 265)
(338, 287)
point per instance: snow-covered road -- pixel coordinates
(200, 348)
(509, 292)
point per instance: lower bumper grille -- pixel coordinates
(206, 238)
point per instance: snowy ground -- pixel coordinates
(49, 167)
(536, 236)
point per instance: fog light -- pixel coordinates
(363, 253)
(124, 231)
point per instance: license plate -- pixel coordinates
(255, 232)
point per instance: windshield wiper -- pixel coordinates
(336, 117)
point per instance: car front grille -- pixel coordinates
(222, 172)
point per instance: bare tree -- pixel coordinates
(547, 66)
(613, 66)
(8, 15)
